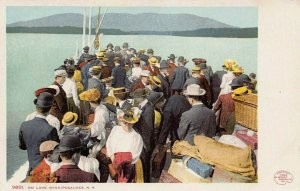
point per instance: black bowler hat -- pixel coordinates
(69, 143)
(45, 99)
(154, 97)
(172, 56)
(86, 48)
(163, 64)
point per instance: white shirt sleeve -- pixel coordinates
(89, 165)
(137, 148)
(53, 121)
(100, 120)
(110, 142)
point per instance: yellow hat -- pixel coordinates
(142, 50)
(152, 60)
(69, 118)
(229, 64)
(135, 60)
(241, 90)
(130, 117)
(155, 81)
(237, 70)
(97, 68)
(100, 55)
(103, 50)
(105, 59)
(111, 100)
(196, 69)
(90, 95)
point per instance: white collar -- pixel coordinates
(40, 116)
(199, 103)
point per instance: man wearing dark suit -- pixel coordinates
(175, 106)
(199, 119)
(85, 71)
(60, 106)
(84, 55)
(145, 127)
(118, 74)
(181, 74)
(34, 132)
(69, 149)
(163, 76)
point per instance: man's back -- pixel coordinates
(119, 76)
(72, 173)
(32, 134)
(181, 74)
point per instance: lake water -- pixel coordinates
(31, 59)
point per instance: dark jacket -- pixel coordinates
(71, 173)
(165, 85)
(85, 74)
(60, 106)
(32, 134)
(172, 112)
(138, 85)
(198, 120)
(181, 74)
(119, 77)
(215, 85)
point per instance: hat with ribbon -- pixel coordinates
(69, 118)
(155, 81)
(172, 57)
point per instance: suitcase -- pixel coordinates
(165, 177)
(223, 176)
(158, 162)
(202, 169)
(183, 174)
(249, 140)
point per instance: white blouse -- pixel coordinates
(120, 140)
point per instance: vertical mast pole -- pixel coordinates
(83, 28)
(90, 27)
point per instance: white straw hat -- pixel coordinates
(194, 90)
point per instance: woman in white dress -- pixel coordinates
(124, 146)
(228, 77)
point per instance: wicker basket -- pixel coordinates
(246, 110)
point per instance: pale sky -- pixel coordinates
(235, 16)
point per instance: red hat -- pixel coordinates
(42, 90)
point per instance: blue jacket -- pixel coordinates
(32, 134)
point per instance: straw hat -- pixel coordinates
(100, 55)
(135, 60)
(155, 81)
(237, 70)
(120, 93)
(142, 51)
(194, 90)
(111, 100)
(229, 64)
(45, 99)
(69, 118)
(241, 90)
(196, 69)
(96, 70)
(152, 60)
(90, 95)
(129, 117)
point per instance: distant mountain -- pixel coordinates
(129, 22)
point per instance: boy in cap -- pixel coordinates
(50, 163)
(32, 133)
(199, 119)
(60, 106)
(84, 55)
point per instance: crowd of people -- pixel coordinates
(106, 115)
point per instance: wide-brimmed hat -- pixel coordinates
(53, 86)
(152, 60)
(96, 70)
(199, 60)
(125, 44)
(110, 100)
(139, 93)
(90, 95)
(129, 116)
(154, 97)
(150, 51)
(110, 45)
(155, 81)
(194, 90)
(145, 73)
(229, 64)
(135, 60)
(69, 118)
(121, 92)
(241, 90)
(42, 90)
(182, 59)
(237, 70)
(163, 64)
(69, 143)
(86, 48)
(48, 146)
(245, 78)
(100, 55)
(45, 99)
(196, 69)
(172, 56)
(61, 73)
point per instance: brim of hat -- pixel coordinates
(111, 99)
(133, 120)
(153, 63)
(159, 85)
(201, 94)
(42, 106)
(65, 149)
(72, 122)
